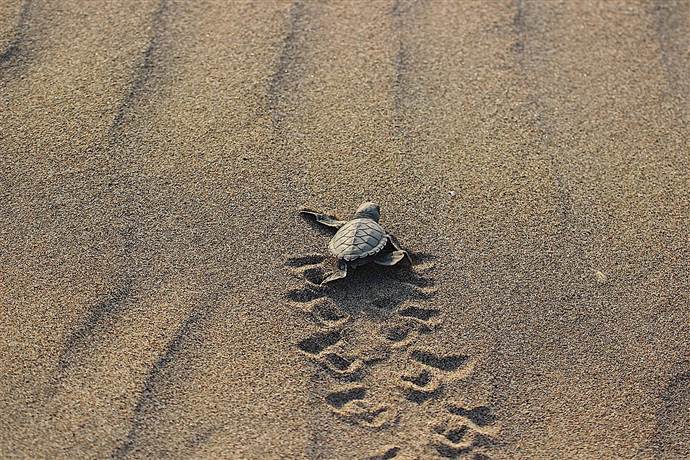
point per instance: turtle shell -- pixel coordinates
(357, 239)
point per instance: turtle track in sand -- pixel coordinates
(379, 373)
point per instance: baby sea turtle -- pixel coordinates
(359, 241)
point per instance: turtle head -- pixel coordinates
(368, 209)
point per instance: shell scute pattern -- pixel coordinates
(357, 239)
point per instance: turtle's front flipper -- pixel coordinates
(339, 273)
(397, 247)
(323, 219)
(390, 258)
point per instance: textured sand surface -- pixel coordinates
(157, 295)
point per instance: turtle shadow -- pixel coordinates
(371, 289)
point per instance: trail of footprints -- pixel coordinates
(374, 350)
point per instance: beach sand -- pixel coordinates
(158, 293)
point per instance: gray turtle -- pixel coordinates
(359, 241)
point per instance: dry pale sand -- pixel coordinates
(156, 284)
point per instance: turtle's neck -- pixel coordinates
(366, 215)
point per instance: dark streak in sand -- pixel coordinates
(141, 78)
(520, 28)
(154, 379)
(15, 53)
(662, 16)
(143, 73)
(665, 15)
(401, 63)
(675, 398)
(278, 81)
(77, 342)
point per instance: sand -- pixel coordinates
(157, 287)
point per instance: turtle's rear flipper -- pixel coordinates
(339, 273)
(323, 219)
(390, 258)
(396, 245)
